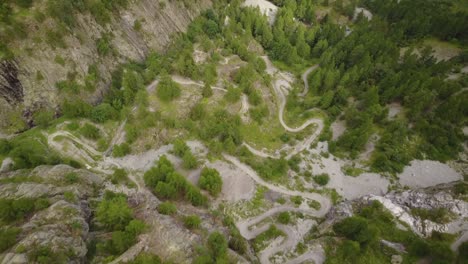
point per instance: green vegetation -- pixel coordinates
(271, 233)
(322, 179)
(116, 216)
(44, 254)
(145, 258)
(192, 221)
(121, 150)
(215, 250)
(166, 183)
(189, 161)
(71, 178)
(167, 208)
(29, 150)
(167, 89)
(372, 223)
(8, 237)
(211, 181)
(43, 118)
(438, 215)
(120, 176)
(113, 212)
(90, 131)
(284, 218)
(12, 210)
(270, 169)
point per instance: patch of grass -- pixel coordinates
(167, 208)
(259, 242)
(268, 135)
(322, 179)
(438, 215)
(314, 204)
(297, 200)
(352, 171)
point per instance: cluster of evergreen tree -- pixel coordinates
(166, 183)
(367, 66)
(413, 19)
(117, 217)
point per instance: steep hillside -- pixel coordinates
(57, 55)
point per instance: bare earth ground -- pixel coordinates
(426, 173)
(338, 128)
(394, 109)
(266, 7)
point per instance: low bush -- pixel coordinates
(90, 132)
(322, 179)
(192, 221)
(8, 237)
(284, 218)
(211, 181)
(167, 208)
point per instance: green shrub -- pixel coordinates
(69, 197)
(43, 118)
(463, 253)
(297, 200)
(211, 181)
(356, 228)
(30, 152)
(113, 212)
(121, 150)
(207, 91)
(198, 112)
(8, 237)
(41, 203)
(45, 255)
(189, 161)
(146, 258)
(217, 246)
(119, 175)
(284, 218)
(71, 177)
(76, 108)
(72, 126)
(13, 210)
(438, 215)
(103, 112)
(180, 148)
(167, 208)
(104, 46)
(167, 89)
(5, 147)
(192, 221)
(168, 184)
(91, 132)
(322, 179)
(233, 94)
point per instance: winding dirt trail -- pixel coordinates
(281, 86)
(304, 79)
(324, 202)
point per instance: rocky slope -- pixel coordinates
(29, 80)
(62, 228)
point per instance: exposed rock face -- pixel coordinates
(401, 203)
(31, 78)
(10, 87)
(62, 227)
(49, 181)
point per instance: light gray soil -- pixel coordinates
(426, 173)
